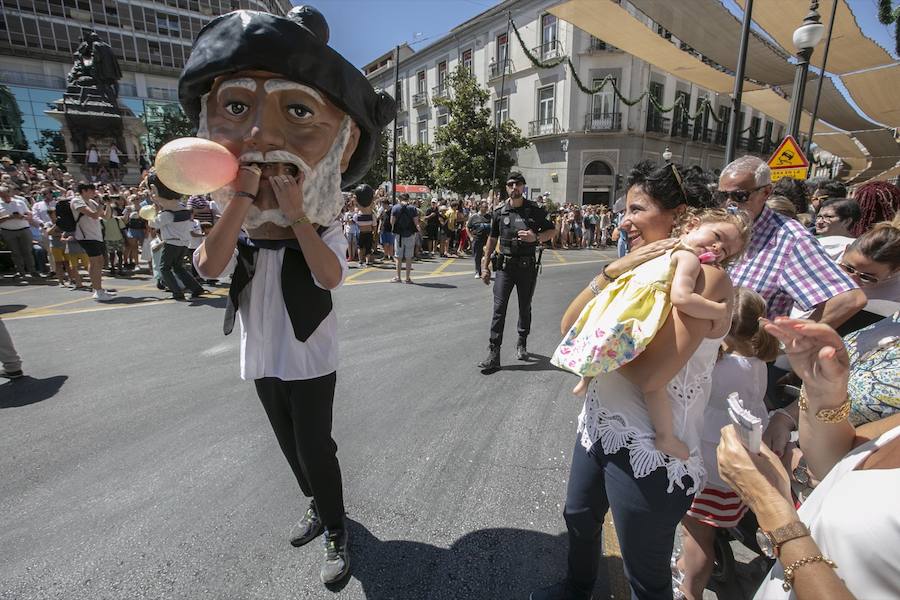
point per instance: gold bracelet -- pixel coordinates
(825, 415)
(790, 569)
(301, 220)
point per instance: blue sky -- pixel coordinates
(364, 29)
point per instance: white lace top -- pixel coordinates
(615, 415)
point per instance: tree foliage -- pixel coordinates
(53, 145)
(378, 170)
(167, 123)
(465, 157)
(415, 164)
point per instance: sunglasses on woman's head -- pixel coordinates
(739, 196)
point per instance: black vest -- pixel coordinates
(512, 221)
(307, 304)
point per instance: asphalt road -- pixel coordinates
(136, 464)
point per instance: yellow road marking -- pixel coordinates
(558, 256)
(359, 273)
(22, 288)
(47, 311)
(443, 266)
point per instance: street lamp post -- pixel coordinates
(805, 39)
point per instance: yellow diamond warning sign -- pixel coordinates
(788, 160)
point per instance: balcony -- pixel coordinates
(420, 99)
(596, 121)
(548, 50)
(658, 124)
(544, 127)
(440, 91)
(497, 70)
(683, 129)
(162, 94)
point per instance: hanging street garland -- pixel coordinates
(704, 106)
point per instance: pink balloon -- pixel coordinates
(194, 166)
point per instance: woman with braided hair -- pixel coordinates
(878, 201)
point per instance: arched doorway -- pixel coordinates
(597, 183)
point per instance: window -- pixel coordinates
(548, 29)
(467, 60)
(655, 120)
(443, 119)
(502, 49)
(546, 109)
(401, 133)
(603, 102)
(423, 131)
(442, 73)
(501, 111)
(420, 82)
(168, 24)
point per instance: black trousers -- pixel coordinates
(645, 517)
(520, 274)
(478, 243)
(171, 266)
(300, 414)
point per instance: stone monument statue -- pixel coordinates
(90, 110)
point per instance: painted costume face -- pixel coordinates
(285, 128)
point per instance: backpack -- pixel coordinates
(65, 218)
(405, 225)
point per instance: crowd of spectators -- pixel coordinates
(55, 229)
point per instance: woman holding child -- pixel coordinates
(617, 463)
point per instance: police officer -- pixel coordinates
(521, 226)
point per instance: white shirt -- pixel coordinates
(86, 227)
(615, 415)
(834, 245)
(176, 233)
(113, 155)
(732, 373)
(14, 223)
(93, 156)
(195, 241)
(854, 520)
(268, 345)
(40, 209)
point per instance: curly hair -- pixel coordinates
(794, 190)
(670, 185)
(878, 201)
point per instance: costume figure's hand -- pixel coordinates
(639, 256)
(760, 480)
(289, 194)
(247, 179)
(527, 235)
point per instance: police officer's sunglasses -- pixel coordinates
(739, 196)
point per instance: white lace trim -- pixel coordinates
(613, 432)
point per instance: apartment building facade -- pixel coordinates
(582, 145)
(152, 41)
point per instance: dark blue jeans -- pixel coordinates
(645, 517)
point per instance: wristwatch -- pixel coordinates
(770, 542)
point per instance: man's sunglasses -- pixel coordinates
(864, 278)
(739, 196)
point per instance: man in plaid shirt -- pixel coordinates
(784, 263)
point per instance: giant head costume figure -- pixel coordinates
(274, 94)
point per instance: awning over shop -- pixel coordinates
(889, 174)
(854, 166)
(839, 144)
(779, 108)
(880, 142)
(611, 23)
(876, 166)
(710, 29)
(876, 93)
(851, 50)
(833, 107)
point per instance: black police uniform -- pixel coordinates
(518, 265)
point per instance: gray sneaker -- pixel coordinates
(337, 557)
(307, 528)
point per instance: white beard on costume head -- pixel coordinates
(322, 199)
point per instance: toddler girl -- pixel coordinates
(621, 321)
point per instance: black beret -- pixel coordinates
(295, 47)
(516, 176)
